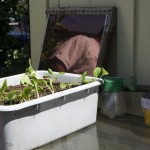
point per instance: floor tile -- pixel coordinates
(122, 133)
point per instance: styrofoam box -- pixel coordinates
(37, 122)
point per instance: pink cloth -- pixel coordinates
(79, 54)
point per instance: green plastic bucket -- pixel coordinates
(112, 84)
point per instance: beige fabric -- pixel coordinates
(79, 54)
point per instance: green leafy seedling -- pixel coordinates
(12, 96)
(63, 85)
(99, 72)
(3, 88)
(25, 80)
(50, 71)
(55, 78)
(84, 80)
(30, 71)
(50, 87)
(34, 80)
(26, 93)
(32, 77)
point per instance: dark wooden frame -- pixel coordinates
(110, 24)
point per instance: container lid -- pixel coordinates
(112, 84)
(146, 95)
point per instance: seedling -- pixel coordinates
(12, 95)
(55, 77)
(99, 72)
(32, 76)
(26, 94)
(32, 87)
(3, 88)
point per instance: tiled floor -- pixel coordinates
(122, 133)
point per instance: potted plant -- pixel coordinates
(30, 118)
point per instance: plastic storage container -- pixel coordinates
(145, 102)
(113, 103)
(37, 122)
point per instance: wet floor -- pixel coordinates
(122, 133)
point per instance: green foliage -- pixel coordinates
(30, 71)
(26, 93)
(63, 85)
(32, 86)
(100, 72)
(25, 80)
(7, 9)
(50, 71)
(14, 54)
(84, 80)
(51, 85)
(3, 88)
(97, 73)
(32, 76)
(55, 77)
(11, 96)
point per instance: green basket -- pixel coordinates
(112, 84)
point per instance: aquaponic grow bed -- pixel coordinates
(37, 122)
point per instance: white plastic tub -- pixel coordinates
(37, 122)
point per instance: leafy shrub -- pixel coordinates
(14, 52)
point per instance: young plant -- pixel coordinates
(64, 86)
(31, 84)
(32, 76)
(26, 94)
(55, 77)
(50, 86)
(25, 80)
(12, 95)
(84, 80)
(99, 72)
(2, 89)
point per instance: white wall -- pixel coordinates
(37, 25)
(133, 33)
(142, 41)
(124, 43)
(133, 38)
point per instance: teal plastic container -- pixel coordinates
(113, 103)
(112, 84)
